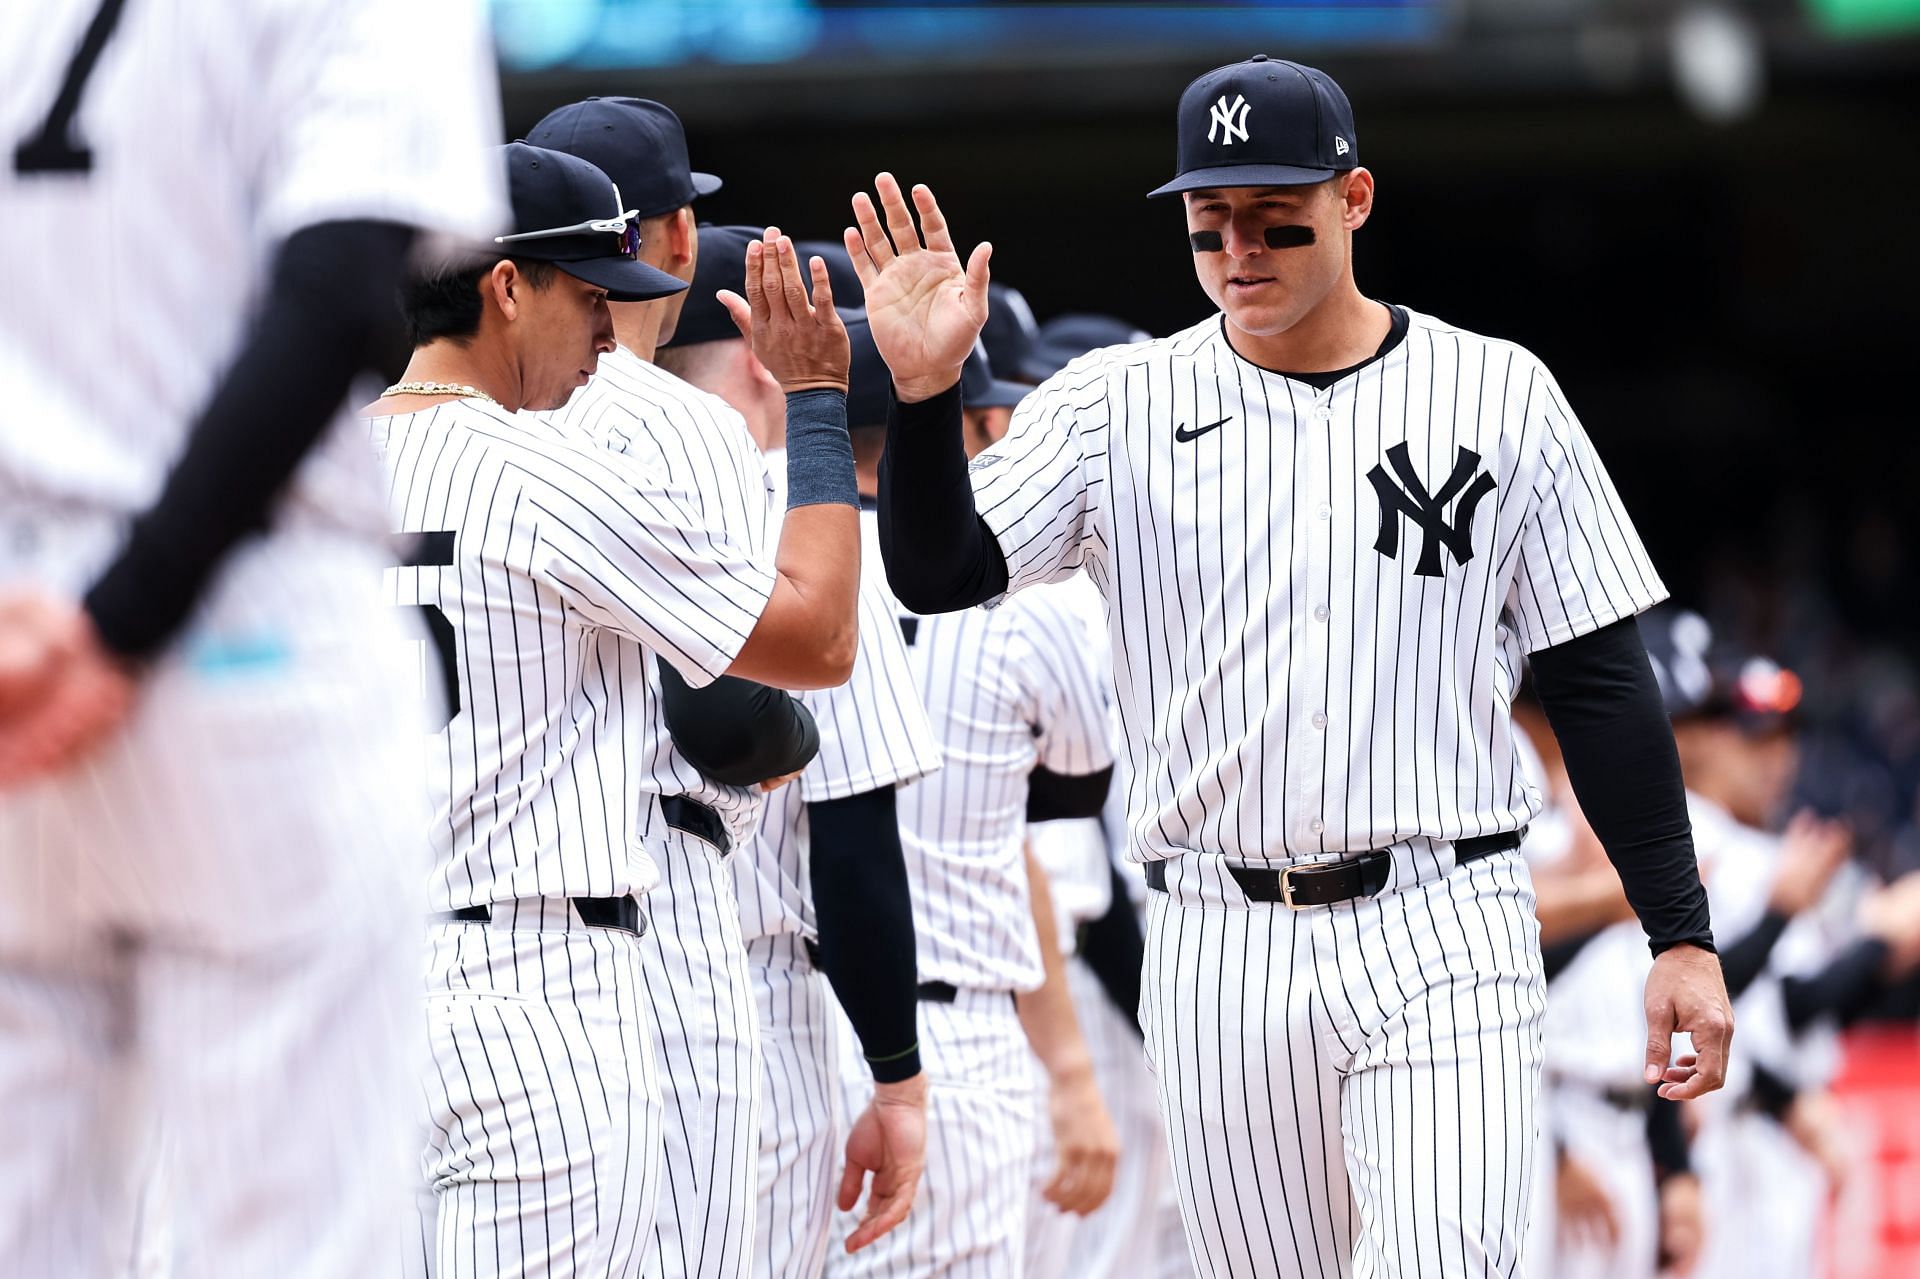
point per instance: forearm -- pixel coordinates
(808, 634)
(1605, 709)
(330, 300)
(735, 731)
(864, 911)
(1578, 905)
(1746, 958)
(1046, 1014)
(940, 556)
(1842, 989)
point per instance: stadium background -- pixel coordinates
(1699, 214)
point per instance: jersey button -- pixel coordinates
(1325, 512)
(1316, 825)
(1319, 719)
(1320, 613)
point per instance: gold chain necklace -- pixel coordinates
(439, 388)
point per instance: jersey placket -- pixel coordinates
(1310, 615)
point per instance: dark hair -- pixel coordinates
(445, 302)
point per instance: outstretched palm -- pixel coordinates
(924, 307)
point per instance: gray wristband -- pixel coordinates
(819, 452)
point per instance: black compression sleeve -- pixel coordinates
(331, 298)
(1605, 709)
(1841, 990)
(1556, 955)
(1115, 949)
(1744, 960)
(865, 913)
(940, 555)
(736, 731)
(1053, 797)
(1667, 1139)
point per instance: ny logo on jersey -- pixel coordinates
(1232, 119)
(1411, 499)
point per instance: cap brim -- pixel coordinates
(1243, 175)
(624, 279)
(704, 183)
(1000, 394)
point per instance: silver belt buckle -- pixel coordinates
(1286, 887)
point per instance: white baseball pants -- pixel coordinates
(1350, 1089)
(543, 1108)
(802, 1130)
(211, 925)
(707, 1035)
(969, 1221)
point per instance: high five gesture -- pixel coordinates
(926, 309)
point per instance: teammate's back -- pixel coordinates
(197, 137)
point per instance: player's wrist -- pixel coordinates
(914, 390)
(902, 1092)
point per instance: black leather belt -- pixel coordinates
(1330, 882)
(595, 912)
(945, 992)
(697, 820)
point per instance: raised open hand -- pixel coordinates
(802, 342)
(925, 308)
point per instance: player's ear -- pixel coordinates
(1356, 199)
(498, 286)
(686, 235)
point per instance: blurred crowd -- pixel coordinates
(1814, 938)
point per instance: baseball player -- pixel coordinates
(1326, 529)
(561, 572)
(704, 1015)
(824, 898)
(1006, 691)
(208, 886)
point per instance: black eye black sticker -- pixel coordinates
(1289, 237)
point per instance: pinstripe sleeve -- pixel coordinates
(1033, 488)
(1581, 564)
(1069, 712)
(631, 554)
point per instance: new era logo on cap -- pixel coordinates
(1305, 129)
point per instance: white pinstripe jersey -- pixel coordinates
(1318, 605)
(559, 569)
(216, 129)
(873, 733)
(698, 444)
(1006, 689)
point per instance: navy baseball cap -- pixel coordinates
(1010, 330)
(1265, 122)
(847, 290)
(638, 143)
(722, 265)
(1701, 677)
(568, 213)
(869, 380)
(980, 389)
(1065, 338)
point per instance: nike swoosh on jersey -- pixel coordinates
(1183, 434)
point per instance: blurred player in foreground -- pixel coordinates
(210, 870)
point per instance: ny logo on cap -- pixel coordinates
(1232, 119)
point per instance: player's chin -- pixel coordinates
(1263, 317)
